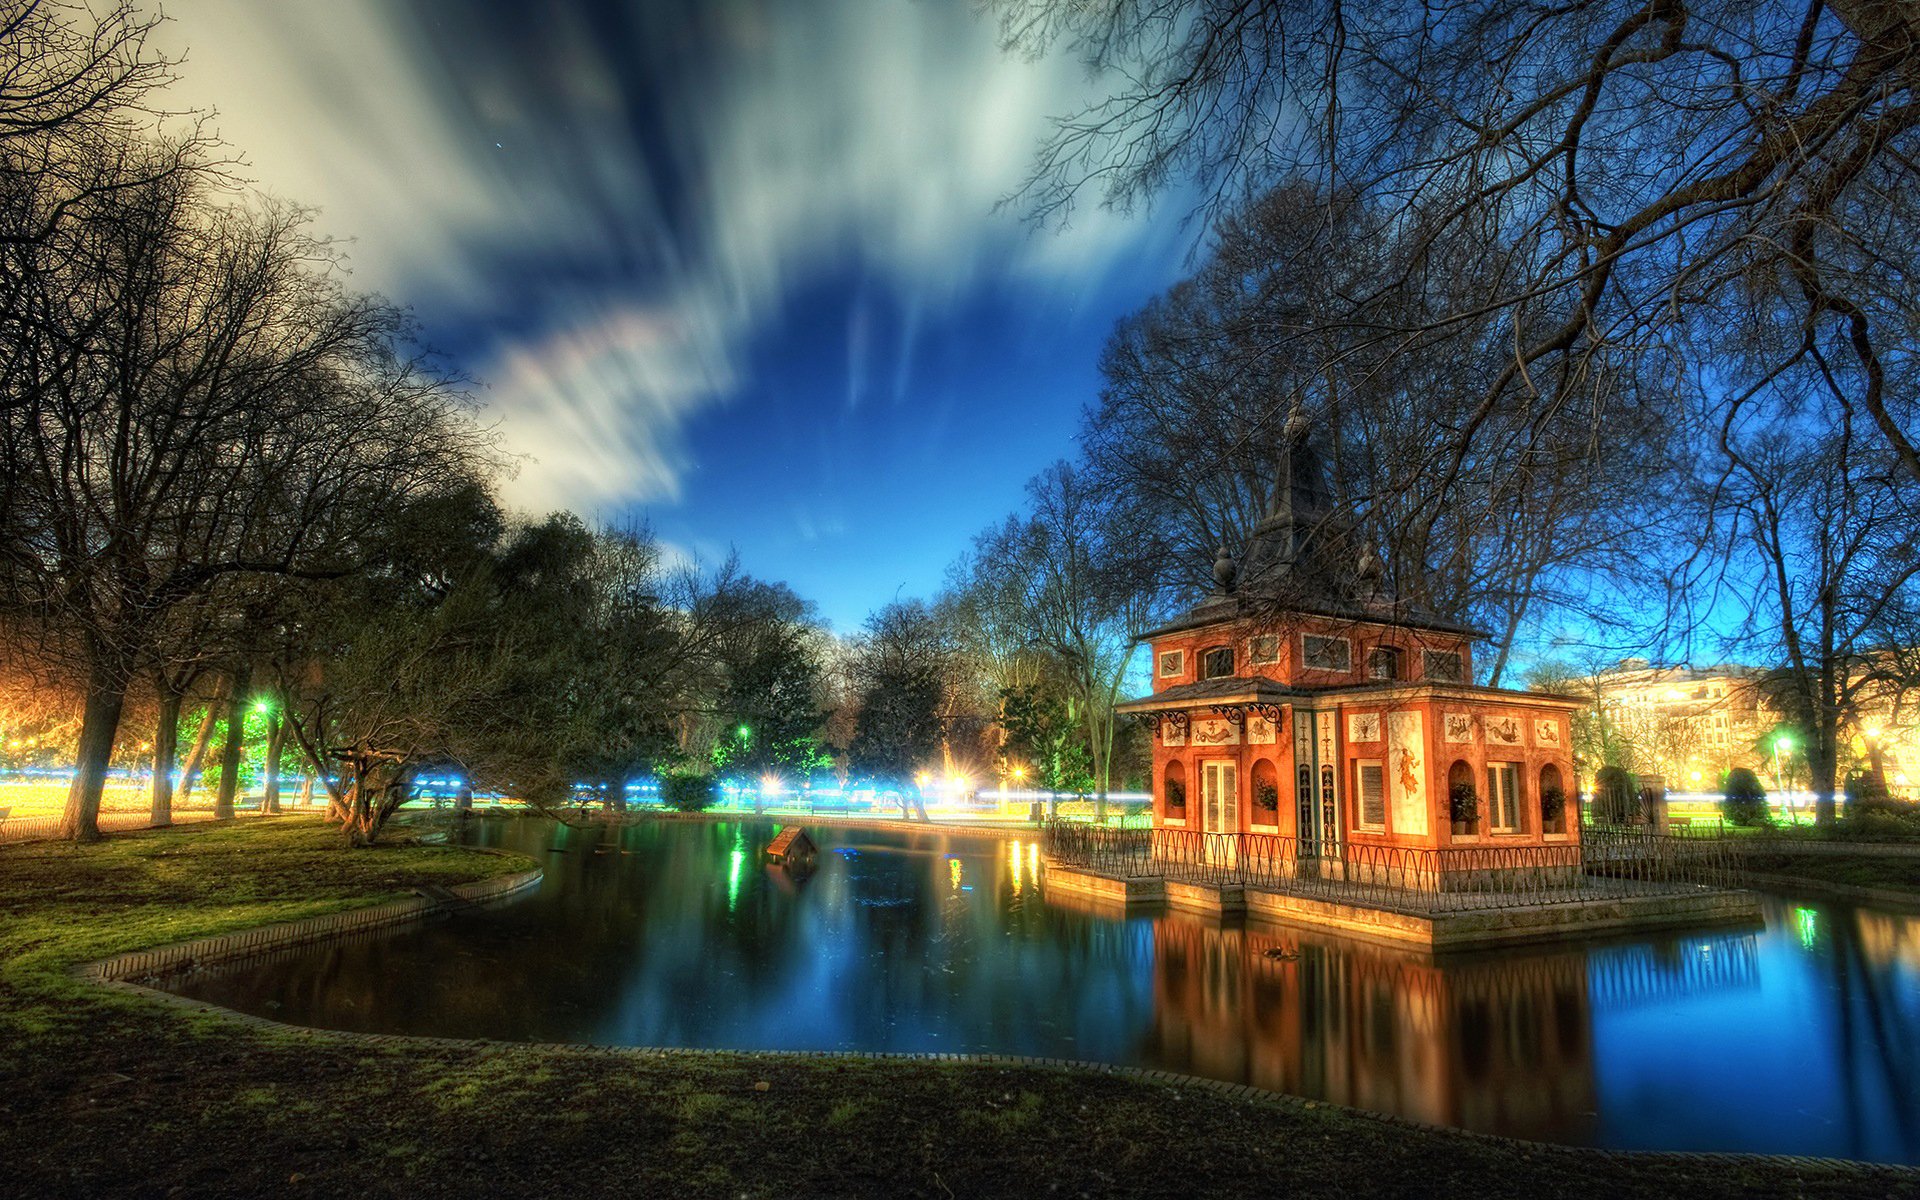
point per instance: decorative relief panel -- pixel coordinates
(1503, 731)
(1261, 731)
(1363, 727)
(1546, 733)
(1457, 728)
(1407, 772)
(1215, 731)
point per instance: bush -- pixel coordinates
(1866, 793)
(1553, 808)
(687, 791)
(1872, 812)
(1266, 797)
(1463, 804)
(1176, 797)
(1745, 801)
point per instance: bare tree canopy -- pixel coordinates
(1651, 168)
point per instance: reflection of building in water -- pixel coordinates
(1674, 969)
(1888, 940)
(1497, 1044)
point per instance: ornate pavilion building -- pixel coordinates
(1302, 700)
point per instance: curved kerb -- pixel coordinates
(119, 972)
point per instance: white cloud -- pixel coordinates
(878, 132)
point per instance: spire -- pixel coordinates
(1300, 517)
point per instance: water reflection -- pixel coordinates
(1493, 1044)
(1799, 1039)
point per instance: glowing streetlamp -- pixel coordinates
(1783, 743)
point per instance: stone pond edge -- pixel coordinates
(118, 972)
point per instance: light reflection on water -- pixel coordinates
(1804, 1038)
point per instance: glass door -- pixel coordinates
(1220, 808)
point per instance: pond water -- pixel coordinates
(1802, 1038)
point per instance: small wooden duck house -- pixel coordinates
(791, 846)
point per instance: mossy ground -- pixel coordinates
(105, 1093)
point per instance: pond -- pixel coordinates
(1802, 1038)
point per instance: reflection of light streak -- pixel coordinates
(1014, 854)
(953, 872)
(1807, 922)
(1033, 862)
(733, 878)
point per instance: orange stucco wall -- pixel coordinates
(1531, 732)
(1288, 668)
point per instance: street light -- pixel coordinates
(1783, 743)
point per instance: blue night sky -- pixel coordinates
(735, 268)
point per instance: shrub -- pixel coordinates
(687, 791)
(1176, 796)
(1866, 793)
(1874, 813)
(1266, 797)
(1553, 807)
(1745, 801)
(1463, 804)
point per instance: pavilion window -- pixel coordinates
(1264, 650)
(1373, 794)
(1216, 662)
(1503, 796)
(1326, 653)
(1383, 662)
(1443, 666)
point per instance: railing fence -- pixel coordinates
(1605, 862)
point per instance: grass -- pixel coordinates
(1857, 870)
(103, 1093)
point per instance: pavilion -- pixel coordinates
(1303, 700)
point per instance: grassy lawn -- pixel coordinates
(1859, 870)
(108, 1094)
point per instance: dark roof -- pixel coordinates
(1306, 556)
(1222, 610)
(1241, 689)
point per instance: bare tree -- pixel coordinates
(1069, 573)
(1538, 512)
(1641, 162)
(200, 400)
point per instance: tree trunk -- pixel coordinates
(166, 752)
(1822, 769)
(99, 724)
(198, 753)
(270, 780)
(230, 754)
(306, 789)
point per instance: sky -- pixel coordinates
(739, 269)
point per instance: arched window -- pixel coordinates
(1553, 800)
(1173, 792)
(1216, 662)
(1463, 799)
(1266, 793)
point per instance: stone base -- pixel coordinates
(1441, 931)
(1481, 928)
(1105, 892)
(1202, 898)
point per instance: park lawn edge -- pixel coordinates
(109, 1091)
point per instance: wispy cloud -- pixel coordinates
(619, 202)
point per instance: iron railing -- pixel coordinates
(1604, 863)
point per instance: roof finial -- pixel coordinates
(1224, 568)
